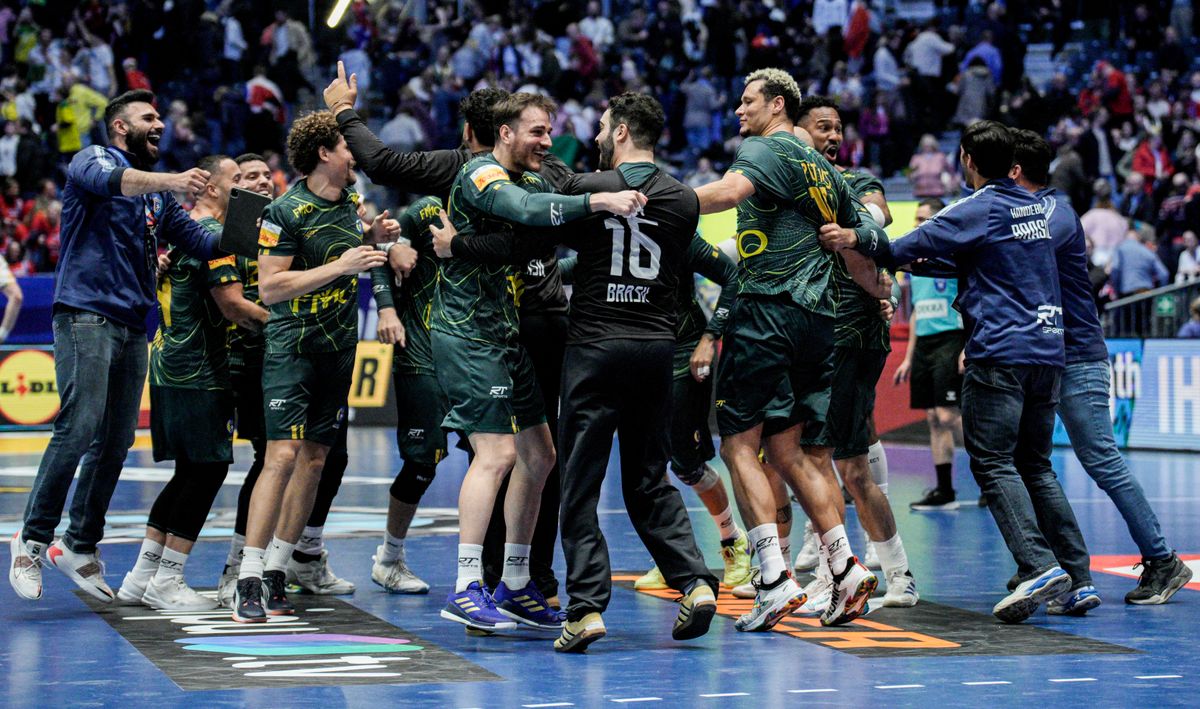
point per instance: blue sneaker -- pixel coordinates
(1077, 602)
(528, 607)
(1023, 601)
(475, 609)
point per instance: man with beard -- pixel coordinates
(114, 213)
(618, 371)
(234, 286)
(861, 345)
(310, 254)
(191, 411)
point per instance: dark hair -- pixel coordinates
(811, 103)
(1034, 155)
(933, 203)
(642, 114)
(210, 163)
(116, 107)
(309, 133)
(248, 157)
(507, 111)
(990, 145)
(476, 108)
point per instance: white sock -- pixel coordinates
(838, 544)
(312, 541)
(516, 566)
(278, 554)
(252, 563)
(765, 540)
(393, 549)
(892, 556)
(877, 463)
(147, 560)
(171, 564)
(823, 571)
(725, 524)
(234, 558)
(470, 566)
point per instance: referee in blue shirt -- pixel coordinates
(115, 214)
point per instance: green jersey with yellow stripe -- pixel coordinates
(189, 349)
(313, 231)
(796, 190)
(413, 298)
(858, 323)
(239, 269)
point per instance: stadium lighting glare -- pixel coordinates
(335, 15)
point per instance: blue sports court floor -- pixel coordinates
(372, 647)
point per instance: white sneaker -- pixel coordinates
(901, 591)
(852, 588)
(748, 589)
(818, 591)
(771, 605)
(395, 576)
(317, 578)
(871, 557)
(132, 589)
(173, 594)
(86, 570)
(25, 571)
(809, 555)
(227, 585)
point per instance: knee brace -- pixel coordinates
(701, 479)
(412, 481)
(877, 463)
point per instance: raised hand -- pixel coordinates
(341, 92)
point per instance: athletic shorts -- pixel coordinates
(488, 388)
(191, 425)
(305, 395)
(936, 380)
(691, 401)
(852, 400)
(420, 409)
(769, 341)
(246, 379)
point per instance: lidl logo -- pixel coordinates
(28, 395)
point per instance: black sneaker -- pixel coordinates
(247, 601)
(935, 499)
(1159, 581)
(275, 595)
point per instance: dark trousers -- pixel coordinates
(543, 337)
(331, 481)
(99, 367)
(622, 386)
(1008, 429)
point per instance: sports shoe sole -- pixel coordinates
(88, 587)
(14, 546)
(578, 643)
(772, 617)
(239, 619)
(948, 507)
(1021, 608)
(401, 591)
(128, 599)
(475, 625)
(856, 604)
(526, 622)
(1078, 610)
(696, 622)
(1177, 582)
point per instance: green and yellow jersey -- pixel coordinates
(413, 298)
(858, 323)
(233, 268)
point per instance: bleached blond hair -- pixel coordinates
(777, 82)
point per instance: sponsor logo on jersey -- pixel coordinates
(486, 175)
(618, 293)
(229, 260)
(277, 404)
(499, 392)
(268, 234)
(416, 434)
(1047, 317)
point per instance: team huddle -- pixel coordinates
(470, 294)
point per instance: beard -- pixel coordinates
(607, 148)
(139, 144)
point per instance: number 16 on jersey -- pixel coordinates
(630, 230)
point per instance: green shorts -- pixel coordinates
(769, 342)
(488, 388)
(420, 409)
(852, 400)
(305, 395)
(691, 401)
(191, 425)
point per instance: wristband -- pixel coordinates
(386, 247)
(3, 333)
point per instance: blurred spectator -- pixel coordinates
(976, 88)
(886, 68)
(1097, 147)
(988, 56)
(1103, 224)
(233, 45)
(94, 61)
(403, 133)
(930, 171)
(703, 174)
(876, 127)
(1191, 328)
(701, 102)
(290, 53)
(857, 34)
(597, 28)
(186, 147)
(1136, 267)
(8, 150)
(1066, 172)
(1097, 275)
(828, 14)
(852, 151)
(1152, 160)
(264, 126)
(1189, 259)
(845, 88)
(1136, 202)
(135, 78)
(1114, 88)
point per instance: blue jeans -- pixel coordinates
(1008, 430)
(100, 368)
(1085, 414)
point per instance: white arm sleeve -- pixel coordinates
(730, 249)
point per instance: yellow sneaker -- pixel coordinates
(696, 611)
(652, 581)
(736, 555)
(576, 636)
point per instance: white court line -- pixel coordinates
(726, 694)
(809, 691)
(898, 686)
(1159, 677)
(638, 699)
(549, 704)
(1075, 679)
(984, 684)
